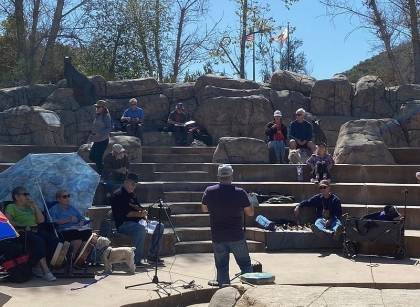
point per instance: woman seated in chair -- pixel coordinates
(67, 219)
(24, 213)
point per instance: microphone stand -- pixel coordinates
(160, 284)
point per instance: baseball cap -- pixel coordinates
(179, 105)
(324, 183)
(277, 113)
(117, 148)
(100, 103)
(225, 170)
(133, 177)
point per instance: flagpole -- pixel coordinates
(288, 47)
(253, 59)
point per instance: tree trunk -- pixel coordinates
(178, 45)
(48, 57)
(156, 41)
(33, 46)
(415, 39)
(386, 38)
(20, 30)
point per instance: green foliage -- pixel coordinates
(380, 66)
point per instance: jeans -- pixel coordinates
(96, 153)
(320, 223)
(138, 233)
(279, 147)
(239, 249)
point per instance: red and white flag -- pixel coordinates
(249, 37)
(282, 37)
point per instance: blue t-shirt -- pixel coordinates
(226, 204)
(300, 131)
(57, 213)
(138, 113)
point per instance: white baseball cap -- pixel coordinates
(225, 170)
(277, 113)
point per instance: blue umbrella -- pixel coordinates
(43, 174)
(7, 231)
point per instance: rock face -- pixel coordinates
(241, 150)
(367, 141)
(132, 146)
(226, 107)
(30, 125)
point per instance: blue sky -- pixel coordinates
(324, 42)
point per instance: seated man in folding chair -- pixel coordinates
(25, 212)
(69, 222)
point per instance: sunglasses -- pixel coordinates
(134, 104)
(65, 196)
(298, 114)
(24, 194)
(322, 188)
(99, 107)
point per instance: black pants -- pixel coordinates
(181, 134)
(96, 154)
(320, 169)
(42, 243)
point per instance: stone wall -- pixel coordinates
(226, 107)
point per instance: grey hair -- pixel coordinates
(132, 100)
(301, 110)
(18, 190)
(59, 192)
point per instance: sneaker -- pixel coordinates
(37, 271)
(338, 232)
(49, 277)
(316, 231)
(154, 259)
(325, 176)
(139, 264)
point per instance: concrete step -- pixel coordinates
(406, 155)
(181, 176)
(193, 233)
(177, 158)
(207, 247)
(169, 150)
(191, 220)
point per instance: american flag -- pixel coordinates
(250, 37)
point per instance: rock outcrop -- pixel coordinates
(241, 150)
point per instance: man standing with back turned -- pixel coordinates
(225, 204)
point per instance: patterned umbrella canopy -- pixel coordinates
(43, 174)
(7, 231)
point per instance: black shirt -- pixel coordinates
(120, 205)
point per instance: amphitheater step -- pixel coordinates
(177, 158)
(207, 247)
(181, 176)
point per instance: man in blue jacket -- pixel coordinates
(300, 132)
(328, 211)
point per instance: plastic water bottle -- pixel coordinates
(299, 170)
(89, 146)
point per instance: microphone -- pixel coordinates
(160, 202)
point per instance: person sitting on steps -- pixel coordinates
(176, 120)
(300, 132)
(320, 162)
(277, 135)
(328, 211)
(133, 120)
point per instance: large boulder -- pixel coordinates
(131, 144)
(31, 95)
(234, 116)
(132, 88)
(241, 150)
(26, 125)
(332, 96)
(409, 118)
(362, 142)
(370, 99)
(176, 92)
(287, 80)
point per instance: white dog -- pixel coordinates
(111, 255)
(294, 156)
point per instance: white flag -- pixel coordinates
(281, 38)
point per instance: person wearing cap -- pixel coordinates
(116, 165)
(102, 126)
(320, 162)
(277, 135)
(300, 132)
(127, 213)
(133, 119)
(176, 120)
(226, 203)
(328, 211)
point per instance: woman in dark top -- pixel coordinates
(277, 135)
